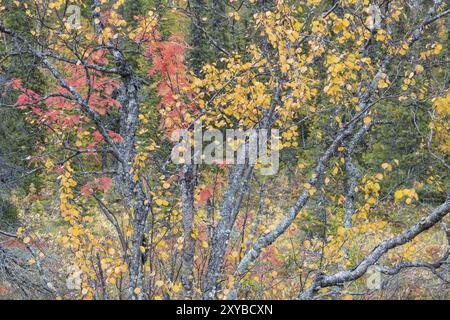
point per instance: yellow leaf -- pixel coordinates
(398, 194)
(176, 288)
(382, 84)
(335, 171)
(49, 164)
(419, 68)
(438, 49)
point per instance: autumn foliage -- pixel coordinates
(358, 93)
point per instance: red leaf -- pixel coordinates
(97, 136)
(204, 195)
(117, 138)
(86, 190)
(104, 183)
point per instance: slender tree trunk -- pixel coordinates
(198, 39)
(188, 182)
(239, 179)
(353, 175)
(132, 190)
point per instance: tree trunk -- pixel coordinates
(188, 182)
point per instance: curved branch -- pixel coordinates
(371, 259)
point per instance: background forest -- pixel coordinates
(91, 207)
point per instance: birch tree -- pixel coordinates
(334, 77)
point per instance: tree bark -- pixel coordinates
(188, 183)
